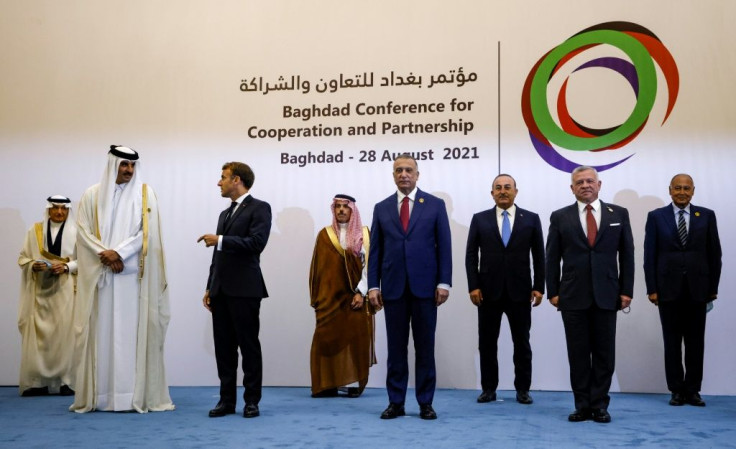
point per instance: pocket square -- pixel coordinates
(615, 224)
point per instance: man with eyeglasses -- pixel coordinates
(682, 266)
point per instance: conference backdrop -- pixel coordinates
(319, 97)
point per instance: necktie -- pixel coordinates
(229, 214)
(681, 227)
(404, 213)
(505, 228)
(592, 227)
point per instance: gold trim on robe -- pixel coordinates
(343, 343)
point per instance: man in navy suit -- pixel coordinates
(682, 267)
(500, 281)
(409, 273)
(593, 240)
(235, 288)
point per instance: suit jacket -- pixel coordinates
(601, 273)
(502, 266)
(422, 255)
(666, 260)
(236, 269)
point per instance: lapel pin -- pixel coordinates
(697, 214)
(421, 200)
(609, 209)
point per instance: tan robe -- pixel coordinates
(45, 314)
(342, 346)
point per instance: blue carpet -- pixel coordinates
(290, 418)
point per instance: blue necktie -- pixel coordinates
(505, 228)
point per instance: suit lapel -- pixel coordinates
(221, 222)
(416, 211)
(493, 223)
(393, 210)
(574, 216)
(696, 222)
(668, 215)
(607, 216)
(519, 222)
(237, 212)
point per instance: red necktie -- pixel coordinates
(404, 213)
(592, 227)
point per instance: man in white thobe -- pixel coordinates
(123, 307)
(49, 265)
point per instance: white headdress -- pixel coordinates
(128, 214)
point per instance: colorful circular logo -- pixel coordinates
(642, 48)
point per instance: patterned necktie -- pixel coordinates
(505, 228)
(404, 213)
(681, 227)
(229, 214)
(592, 227)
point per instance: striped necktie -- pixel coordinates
(682, 227)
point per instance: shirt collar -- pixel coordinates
(677, 209)
(242, 198)
(596, 205)
(411, 195)
(511, 210)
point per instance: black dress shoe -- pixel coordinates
(329, 393)
(393, 411)
(695, 399)
(677, 399)
(353, 392)
(601, 415)
(427, 412)
(251, 411)
(222, 409)
(66, 391)
(487, 396)
(579, 415)
(35, 391)
(523, 397)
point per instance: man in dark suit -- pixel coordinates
(410, 273)
(682, 267)
(593, 240)
(235, 288)
(501, 282)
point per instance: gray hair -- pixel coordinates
(583, 168)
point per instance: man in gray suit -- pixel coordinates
(593, 240)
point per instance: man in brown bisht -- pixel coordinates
(343, 343)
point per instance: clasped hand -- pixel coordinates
(110, 258)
